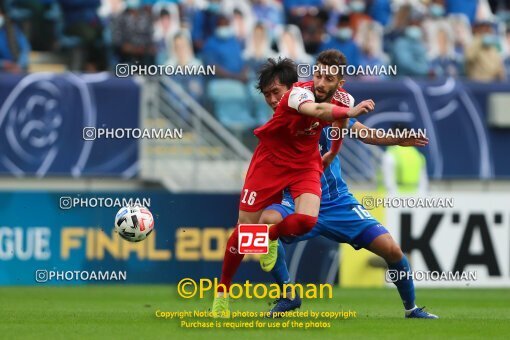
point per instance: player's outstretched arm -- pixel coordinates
(387, 140)
(329, 156)
(329, 112)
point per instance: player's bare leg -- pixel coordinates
(386, 247)
(231, 262)
(270, 217)
(299, 223)
(308, 204)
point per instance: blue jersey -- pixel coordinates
(341, 217)
(334, 189)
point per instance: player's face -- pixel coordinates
(325, 84)
(273, 93)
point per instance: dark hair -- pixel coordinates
(332, 57)
(260, 24)
(180, 34)
(283, 69)
(343, 20)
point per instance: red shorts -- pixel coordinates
(268, 176)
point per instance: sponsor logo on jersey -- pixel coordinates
(311, 130)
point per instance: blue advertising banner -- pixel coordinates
(42, 118)
(454, 114)
(43, 232)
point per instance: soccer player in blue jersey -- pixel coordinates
(342, 218)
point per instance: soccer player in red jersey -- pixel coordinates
(288, 156)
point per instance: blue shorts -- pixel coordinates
(350, 224)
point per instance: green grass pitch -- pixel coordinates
(128, 312)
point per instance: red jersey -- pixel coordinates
(292, 136)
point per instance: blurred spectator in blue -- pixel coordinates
(269, 12)
(401, 20)
(435, 14)
(242, 18)
(370, 41)
(110, 8)
(258, 49)
(37, 21)
(81, 20)
(108, 12)
(290, 45)
(14, 46)
(181, 50)
(342, 40)
(356, 10)
(295, 10)
(224, 50)
(436, 9)
(188, 9)
(204, 23)
(358, 14)
(409, 52)
(444, 61)
(181, 54)
(466, 7)
(165, 27)
(313, 30)
(380, 11)
(241, 24)
(499, 6)
(483, 59)
(461, 32)
(507, 49)
(132, 35)
(150, 3)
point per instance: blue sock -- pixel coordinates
(405, 286)
(280, 272)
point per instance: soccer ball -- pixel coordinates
(134, 224)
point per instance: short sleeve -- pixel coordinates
(351, 100)
(352, 121)
(298, 96)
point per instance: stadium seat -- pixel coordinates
(229, 100)
(64, 41)
(17, 13)
(53, 12)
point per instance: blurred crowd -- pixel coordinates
(423, 38)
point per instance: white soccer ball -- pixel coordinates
(134, 224)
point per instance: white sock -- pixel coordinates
(409, 311)
(289, 290)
